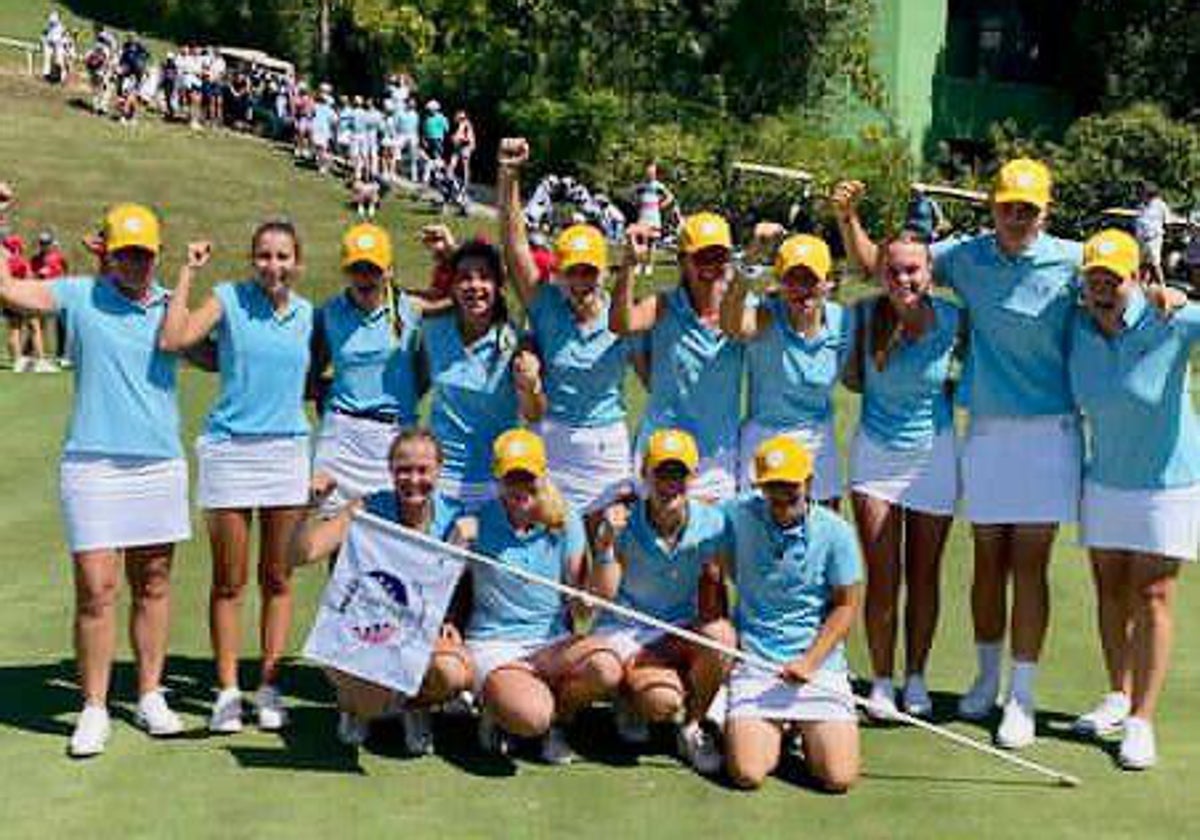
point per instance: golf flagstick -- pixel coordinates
(750, 659)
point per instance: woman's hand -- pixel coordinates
(845, 197)
(514, 153)
(465, 532)
(527, 372)
(637, 245)
(198, 254)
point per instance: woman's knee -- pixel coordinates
(447, 676)
(274, 579)
(94, 598)
(601, 671)
(838, 777)
(659, 703)
(521, 702)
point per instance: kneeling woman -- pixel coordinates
(1141, 495)
(415, 461)
(798, 574)
(530, 672)
(667, 564)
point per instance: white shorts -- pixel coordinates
(253, 472)
(354, 451)
(489, 654)
(924, 480)
(1164, 522)
(755, 693)
(820, 441)
(123, 502)
(591, 466)
(627, 641)
(1022, 470)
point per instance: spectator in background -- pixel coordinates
(1191, 258)
(49, 263)
(1151, 229)
(924, 216)
(653, 199)
(463, 143)
(434, 130)
(23, 330)
(54, 38)
(408, 138)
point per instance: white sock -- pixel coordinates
(883, 685)
(1021, 681)
(988, 654)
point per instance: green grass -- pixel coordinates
(67, 165)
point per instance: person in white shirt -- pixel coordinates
(1151, 228)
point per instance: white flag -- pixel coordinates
(383, 607)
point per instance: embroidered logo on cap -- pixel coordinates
(579, 243)
(775, 459)
(672, 444)
(366, 242)
(132, 225)
(1025, 179)
(1106, 248)
(517, 448)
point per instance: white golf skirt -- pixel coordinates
(820, 441)
(253, 472)
(924, 480)
(627, 641)
(590, 466)
(489, 654)
(1164, 522)
(1022, 469)
(121, 502)
(755, 693)
(354, 451)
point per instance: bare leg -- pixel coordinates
(879, 531)
(924, 545)
(275, 585)
(752, 748)
(148, 570)
(96, 581)
(1153, 580)
(229, 535)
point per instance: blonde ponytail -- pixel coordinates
(552, 508)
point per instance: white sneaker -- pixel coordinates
(699, 748)
(555, 749)
(418, 731)
(64, 362)
(883, 701)
(1137, 746)
(156, 717)
(462, 705)
(1017, 729)
(492, 739)
(44, 366)
(22, 364)
(226, 718)
(352, 731)
(631, 729)
(916, 698)
(91, 732)
(980, 699)
(272, 716)
(1106, 719)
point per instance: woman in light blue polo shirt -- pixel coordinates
(695, 380)
(531, 674)
(799, 580)
(253, 454)
(367, 337)
(904, 461)
(796, 344)
(480, 382)
(123, 477)
(668, 564)
(583, 362)
(1140, 518)
(1022, 458)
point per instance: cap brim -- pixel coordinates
(355, 259)
(114, 245)
(1021, 197)
(567, 263)
(1110, 265)
(652, 464)
(780, 477)
(504, 470)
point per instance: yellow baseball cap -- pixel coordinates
(518, 450)
(1022, 181)
(782, 458)
(803, 250)
(132, 226)
(1114, 250)
(704, 230)
(581, 245)
(367, 243)
(666, 445)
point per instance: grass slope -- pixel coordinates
(68, 165)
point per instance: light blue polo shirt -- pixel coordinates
(792, 376)
(374, 370)
(263, 359)
(1021, 308)
(1133, 390)
(695, 377)
(907, 404)
(474, 399)
(583, 365)
(506, 607)
(382, 503)
(437, 126)
(665, 582)
(408, 122)
(125, 401)
(785, 578)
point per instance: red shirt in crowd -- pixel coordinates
(49, 265)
